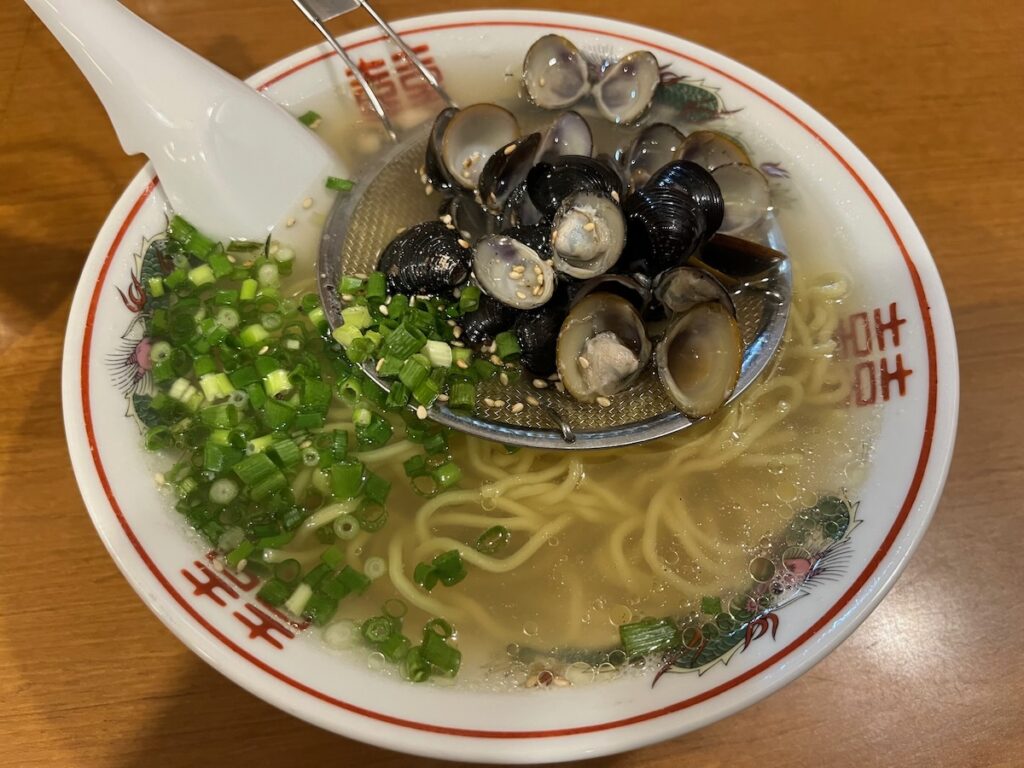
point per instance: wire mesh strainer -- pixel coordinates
(390, 196)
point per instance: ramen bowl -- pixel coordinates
(894, 331)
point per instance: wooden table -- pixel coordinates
(932, 92)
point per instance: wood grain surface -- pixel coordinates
(932, 92)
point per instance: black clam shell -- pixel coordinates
(433, 168)
(490, 318)
(505, 170)
(538, 237)
(694, 181)
(519, 209)
(470, 220)
(550, 183)
(426, 259)
(537, 333)
(664, 228)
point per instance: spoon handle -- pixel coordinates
(229, 159)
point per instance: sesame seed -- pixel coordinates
(447, 218)
(363, 275)
(458, 344)
(315, 124)
(510, 149)
(451, 323)
(290, 221)
(467, 162)
(465, 174)
(604, 402)
(450, 226)
(590, 226)
(520, 268)
(232, 259)
(540, 384)
(457, 293)
(462, 364)
(274, 247)
(559, 387)
(532, 400)
(463, 243)
(515, 275)
(379, 365)
(495, 360)
(537, 270)
(305, 444)
(615, 196)
(537, 290)
(488, 402)
(518, 408)
(159, 478)
(464, 233)
(503, 378)
(584, 363)
(400, 230)
(307, 203)
(241, 565)
(421, 413)
(520, 295)
(263, 350)
(499, 403)
(540, 279)
(428, 189)
(346, 297)
(457, 332)
(442, 398)
(218, 566)
(541, 82)
(423, 177)
(383, 309)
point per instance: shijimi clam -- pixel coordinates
(602, 347)
(557, 75)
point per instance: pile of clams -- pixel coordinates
(602, 266)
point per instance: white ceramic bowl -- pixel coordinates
(217, 616)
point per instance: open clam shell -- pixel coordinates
(626, 89)
(654, 147)
(555, 73)
(746, 196)
(602, 347)
(512, 272)
(710, 149)
(472, 135)
(568, 134)
(505, 170)
(588, 233)
(681, 289)
(699, 359)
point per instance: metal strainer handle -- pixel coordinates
(319, 12)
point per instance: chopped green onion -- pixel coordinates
(350, 284)
(338, 185)
(346, 479)
(378, 629)
(375, 567)
(309, 119)
(253, 335)
(223, 491)
(436, 651)
(449, 567)
(647, 636)
(201, 275)
(376, 286)
(415, 668)
(357, 316)
(462, 394)
(493, 539)
(297, 602)
(247, 292)
(438, 353)
(447, 475)
(403, 342)
(346, 335)
(277, 383)
(413, 373)
(469, 299)
(346, 527)
(507, 346)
